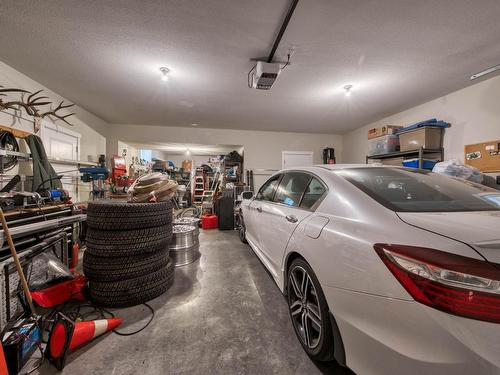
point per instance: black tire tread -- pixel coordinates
(104, 269)
(134, 291)
(115, 215)
(129, 242)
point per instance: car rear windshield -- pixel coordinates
(415, 190)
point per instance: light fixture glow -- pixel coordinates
(485, 72)
(194, 124)
(188, 152)
(347, 89)
(164, 73)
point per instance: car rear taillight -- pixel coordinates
(452, 283)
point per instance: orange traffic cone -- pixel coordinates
(3, 364)
(66, 336)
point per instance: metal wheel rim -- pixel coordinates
(304, 307)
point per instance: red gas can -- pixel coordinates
(209, 222)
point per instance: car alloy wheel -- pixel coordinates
(309, 311)
(304, 307)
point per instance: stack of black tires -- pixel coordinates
(126, 261)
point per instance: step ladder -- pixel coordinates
(198, 186)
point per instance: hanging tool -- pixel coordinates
(19, 268)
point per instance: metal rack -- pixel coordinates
(4, 152)
(420, 153)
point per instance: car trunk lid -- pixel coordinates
(479, 229)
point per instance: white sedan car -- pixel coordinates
(387, 270)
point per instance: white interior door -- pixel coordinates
(63, 145)
(60, 143)
(291, 159)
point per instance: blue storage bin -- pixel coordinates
(413, 163)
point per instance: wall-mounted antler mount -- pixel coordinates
(31, 103)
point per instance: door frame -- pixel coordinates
(284, 153)
(60, 129)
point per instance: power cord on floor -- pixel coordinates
(101, 313)
(140, 329)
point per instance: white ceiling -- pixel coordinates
(105, 56)
(181, 148)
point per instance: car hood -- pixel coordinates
(478, 229)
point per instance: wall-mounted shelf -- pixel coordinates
(18, 133)
(419, 153)
(22, 155)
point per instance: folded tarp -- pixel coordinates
(430, 122)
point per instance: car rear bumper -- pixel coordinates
(391, 336)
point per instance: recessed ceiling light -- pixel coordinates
(347, 89)
(164, 73)
(194, 124)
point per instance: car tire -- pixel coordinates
(114, 215)
(105, 243)
(242, 234)
(107, 269)
(132, 292)
(309, 310)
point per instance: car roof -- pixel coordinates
(334, 167)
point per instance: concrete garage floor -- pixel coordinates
(223, 315)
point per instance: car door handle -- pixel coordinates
(259, 209)
(291, 218)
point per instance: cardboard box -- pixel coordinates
(427, 137)
(383, 130)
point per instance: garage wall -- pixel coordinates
(91, 128)
(474, 114)
(262, 149)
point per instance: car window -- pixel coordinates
(415, 190)
(292, 188)
(314, 192)
(266, 192)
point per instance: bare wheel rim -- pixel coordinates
(304, 307)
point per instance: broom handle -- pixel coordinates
(13, 251)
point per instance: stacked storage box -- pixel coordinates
(384, 141)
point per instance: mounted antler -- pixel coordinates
(32, 102)
(54, 113)
(12, 104)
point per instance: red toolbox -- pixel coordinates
(209, 222)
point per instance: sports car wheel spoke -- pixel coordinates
(295, 285)
(296, 308)
(305, 285)
(314, 317)
(306, 328)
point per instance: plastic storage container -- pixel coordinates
(209, 222)
(430, 138)
(383, 145)
(413, 163)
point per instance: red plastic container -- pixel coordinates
(209, 222)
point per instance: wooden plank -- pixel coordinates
(484, 156)
(16, 132)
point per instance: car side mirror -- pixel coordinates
(247, 195)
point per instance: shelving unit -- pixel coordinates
(420, 153)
